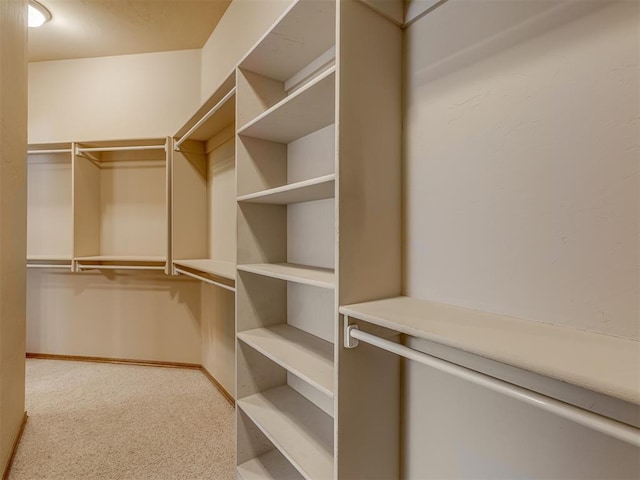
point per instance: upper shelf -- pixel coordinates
(303, 33)
(305, 191)
(121, 258)
(602, 363)
(308, 109)
(216, 268)
(315, 276)
(213, 116)
(305, 355)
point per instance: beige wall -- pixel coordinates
(127, 96)
(521, 176)
(218, 335)
(521, 161)
(135, 315)
(13, 197)
(242, 25)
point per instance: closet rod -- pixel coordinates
(206, 117)
(42, 265)
(52, 150)
(205, 280)
(121, 149)
(117, 267)
(602, 424)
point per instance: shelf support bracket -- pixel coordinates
(349, 341)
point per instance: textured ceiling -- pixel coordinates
(97, 28)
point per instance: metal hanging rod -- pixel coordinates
(120, 149)
(205, 280)
(608, 426)
(206, 117)
(118, 267)
(52, 150)
(42, 265)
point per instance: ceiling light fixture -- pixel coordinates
(38, 14)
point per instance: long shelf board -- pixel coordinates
(121, 258)
(310, 108)
(306, 356)
(291, 272)
(270, 466)
(305, 191)
(300, 35)
(212, 116)
(602, 363)
(299, 429)
(217, 268)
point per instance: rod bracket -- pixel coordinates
(349, 341)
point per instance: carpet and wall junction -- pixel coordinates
(105, 421)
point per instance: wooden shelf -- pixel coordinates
(303, 33)
(602, 363)
(217, 268)
(315, 276)
(299, 429)
(305, 111)
(304, 191)
(270, 466)
(213, 116)
(306, 356)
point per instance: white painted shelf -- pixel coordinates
(270, 466)
(602, 363)
(303, 33)
(299, 429)
(305, 191)
(301, 113)
(217, 268)
(291, 272)
(306, 356)
(213, 116)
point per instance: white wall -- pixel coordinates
(137, 316)
(521, 197)
(128, 96)
(13, 218)
(521, 165)
(242, 25)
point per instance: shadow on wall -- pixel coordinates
(496, 26)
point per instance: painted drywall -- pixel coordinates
(218, 321)
(128, 96)
(242, 25)
(521, 161)
(521, 197)
(131, 315)
(218, 335)
(13, 217)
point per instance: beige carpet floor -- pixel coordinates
(103, 421)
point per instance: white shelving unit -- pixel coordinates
(317, 146)
(121, 198)
(286, 302)
(49, 206)
(203, 191)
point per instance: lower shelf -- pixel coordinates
(270, 466)
(299, 429)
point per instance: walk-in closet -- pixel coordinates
(393, 239)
